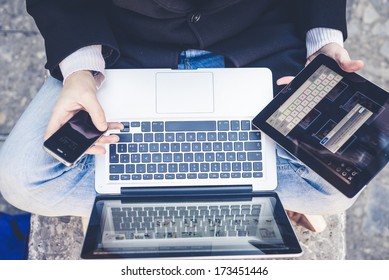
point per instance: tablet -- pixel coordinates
(336, 123)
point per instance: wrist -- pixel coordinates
(81, 79)
(317, 38)
(86, 58)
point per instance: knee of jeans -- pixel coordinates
(303, 191)
(21, 172)
(11, 183)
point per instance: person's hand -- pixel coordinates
(336, 52)
(79, 93)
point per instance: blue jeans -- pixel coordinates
(33, 181)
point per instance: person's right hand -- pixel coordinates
(79, 93)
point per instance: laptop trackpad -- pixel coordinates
(184, 92)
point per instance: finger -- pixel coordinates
(93, 107)
(115, 125)
(96, 150)
(342, 57)
(57, 119)
(284, 80)
(347, 64)
(109, 139)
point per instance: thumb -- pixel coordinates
(93, 107)
(347, 64)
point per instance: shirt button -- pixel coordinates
(195, 18)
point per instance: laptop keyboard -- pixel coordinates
(168, 150)
(163, 222)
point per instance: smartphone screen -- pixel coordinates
(72, 140)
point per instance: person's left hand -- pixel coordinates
(336, 52)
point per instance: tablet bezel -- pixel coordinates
(377, 164)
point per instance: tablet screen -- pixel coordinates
(337, 123)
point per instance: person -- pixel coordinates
(84, 37)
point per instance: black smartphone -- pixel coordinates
(69, 143)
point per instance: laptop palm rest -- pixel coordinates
(181, 93)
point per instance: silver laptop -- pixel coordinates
(187, 128)
(190, 177)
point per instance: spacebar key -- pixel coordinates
(190, 126)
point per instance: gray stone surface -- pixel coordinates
(366, 224)
(367, 229)
(22, 58)
(55, 238)
(65, 235)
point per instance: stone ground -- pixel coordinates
(361, 233)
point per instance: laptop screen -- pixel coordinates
(255, 226)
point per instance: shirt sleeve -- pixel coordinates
(316, 38)
(86, 58)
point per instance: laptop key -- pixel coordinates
(257, 166)
(164, 147)
(192, 176)
(159, 137)
(223, 125)
(146, 126)
(147, 176)
(113, 158)
(254, 156)
(135, 158)
(252, 146)
(190, 136)
(157, 158)
(235, 125)
(125, 137)
(132, 148)
(247, 175)
(246, 125)
(141, 168)
(255, 135)
(157, 126)
(154, 148)
(211, 136)
(167, 157)
(149, 137)
(130, 168)
(201, 136)
(162, 168)
(190, 126)
(151, 168)
(243, 136)
(138, 137)
(116, 168)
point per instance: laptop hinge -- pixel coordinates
(233, 190)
